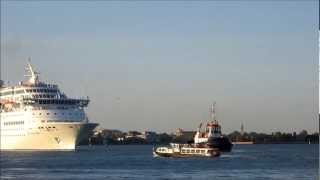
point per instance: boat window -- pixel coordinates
(6, 93)
(188, 151)
(192, 151)
(197, 151)
(19, 91)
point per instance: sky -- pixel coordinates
(159, 65)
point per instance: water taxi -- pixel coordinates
(185, 150)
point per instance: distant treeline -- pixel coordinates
(134, 137)
(276, 137)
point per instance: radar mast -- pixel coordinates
(33, 76)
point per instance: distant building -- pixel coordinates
(184, 136)
(132, 134)
(147, 136)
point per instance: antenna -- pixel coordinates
(213, 111)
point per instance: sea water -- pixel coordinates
(245, 162)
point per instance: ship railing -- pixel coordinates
(47, 101)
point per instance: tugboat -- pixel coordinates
(212, 137)
(207, 144)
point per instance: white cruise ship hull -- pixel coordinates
(52, 136)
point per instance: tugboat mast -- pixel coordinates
(213, 111)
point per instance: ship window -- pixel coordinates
(188, 150)
(53, 127)
(48, 113)
(39, 113)
(55, 113)
(197, 151)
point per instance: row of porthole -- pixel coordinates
(12, 129)
(41, 127)
(14, 123)
(14, 135)
(56, 114)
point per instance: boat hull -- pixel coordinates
(179, 155)
(64, 136)
(222, 143)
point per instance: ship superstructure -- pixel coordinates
(35, 115)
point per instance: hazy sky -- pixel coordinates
(159, 65)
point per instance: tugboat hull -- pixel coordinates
(222, 143)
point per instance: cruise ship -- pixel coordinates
(35, 115)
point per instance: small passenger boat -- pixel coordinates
(185, 150)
